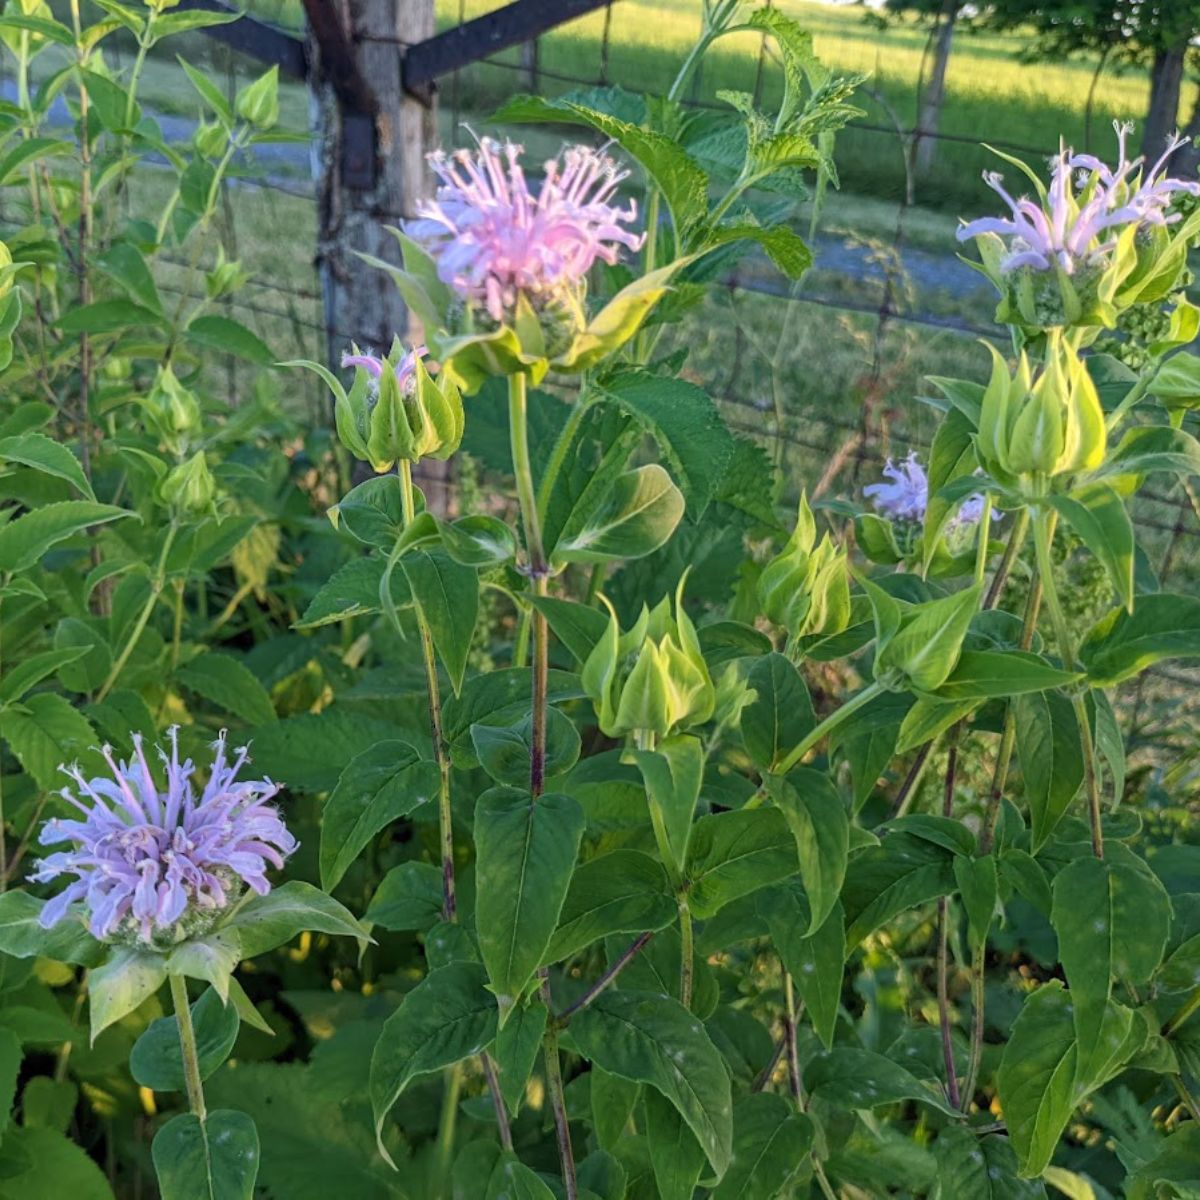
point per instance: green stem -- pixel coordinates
(830, 723)
(434, 695)
(687, 950)
(558, 1103)
(559, 454)
(187, 1045)
(144, 616)
(1044, 523)
(1190, 1008)
(977, 1019)
(518, 418)
(981, 549)
(448, 1119)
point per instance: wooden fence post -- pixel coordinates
(370, 141)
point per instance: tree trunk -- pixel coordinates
(370, 142)
(935, 93)
(1166, 82)
(1186, 162)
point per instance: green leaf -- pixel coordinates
(504, 751)
(815, 961)
(673, 773)
(447, 595)
(108, 316)
(45, 1165)
(1048, 748)
(633, 518)
(821, 826)
(45, 732)
(213, 1159)
(613, 1101)
(29, 150)
(1112, 917)
(861, 1079)
(676, 1157)
(685, 422)
(980, 1168)
(650, 1039)
(10, 1064)
(447, 1017)
(517, 1045)
(925, 650)
(867, 741)
(735, 853)
(309, 752)
(781, 714)
(882, 881)
(379, 786)
(479, 540)
(373, 512)
(576, 625)
(211, 958)
(409, 897)
(230, 337)
(929, 718)
(682, 181)
(22, 935)
(1174, 1172)
(497, 698)
(1037, 1079)
(1097, 514)
(30, 672)
(209, 93)
(525, 851)
(1149, 448)
(1121, 645)
(129, 977)
(624, 891)
(228, 684)
(770, 1143)
(156, 1061)
(25, 540)
(288, 910)
(353, 592)
(978, 887)
(983, 674)
(36, 450)
(125, 263)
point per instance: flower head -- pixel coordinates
(156, 865)
(1076, 222)
(494, 240)
(405, 368)
(906, 495)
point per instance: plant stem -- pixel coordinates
(187, 1045)
(943, 958)
(447, 1120)
(1015, 541)
(981, 549)
(1190, 1007)
(434, 695)
(830, 723)
(1044, 523)
(139, 625)
(502, 1126)
(789, 1036)
(687, 950)
(518, 418)
(558, 1103)
(626, 957)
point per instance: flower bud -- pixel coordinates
(396, 410)
(224, 279)
(258, 102)
(189, 489)
(172, 412)
(209, 140)
(805, 590)
(652, 679)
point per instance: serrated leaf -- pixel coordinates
(36, 450)
(287, 911)
(228, 684)
(25, 540)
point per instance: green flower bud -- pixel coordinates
(258, 102)
(189, 489)
(172, 412)
(652, 679)
(225, 278)
(209, 140)
(396, 410)
(805, 590)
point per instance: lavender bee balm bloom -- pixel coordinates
(494, 240)
(154, 866)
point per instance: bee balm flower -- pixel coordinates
(155, 865)
(905, 495)
(494, 240)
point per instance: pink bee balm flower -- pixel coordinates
(1072, 230)
(374, 365)
(493, 239)
(154, 865)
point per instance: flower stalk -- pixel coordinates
(187, 1046)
